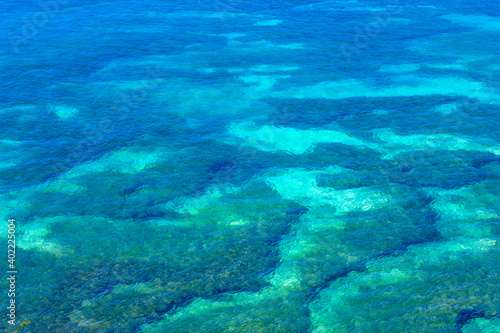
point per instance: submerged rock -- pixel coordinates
(423, 290)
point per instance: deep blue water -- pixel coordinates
(251, 166)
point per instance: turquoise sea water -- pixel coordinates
(251, 166)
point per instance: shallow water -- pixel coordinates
(247, 166)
